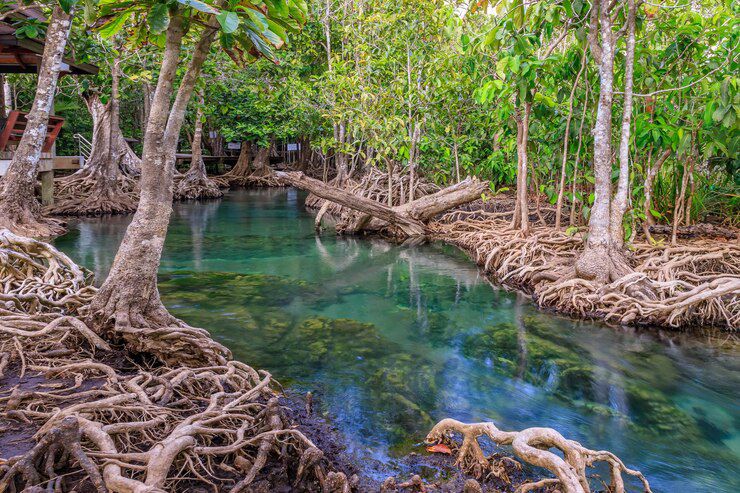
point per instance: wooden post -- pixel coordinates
(47, 187)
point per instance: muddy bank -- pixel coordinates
(436, 471)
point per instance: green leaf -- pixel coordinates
(67, 5)
(158, 18)
(203, 7)
(111, 28)
(571, 230)
(229, 21)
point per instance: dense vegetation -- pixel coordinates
(440, 88)
(601, 118)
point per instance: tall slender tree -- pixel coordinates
(19, 210)
(129, 297)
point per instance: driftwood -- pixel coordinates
(408, 219)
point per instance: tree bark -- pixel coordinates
(619, 204)
(129, 297)
(19, 209)
(521, 209)
(196, 184)
(409, 217)
(594, 262)
(566, 138)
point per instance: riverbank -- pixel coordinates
(109, 412)
(115, 412)
(695, 283)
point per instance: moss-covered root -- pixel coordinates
(533, 445)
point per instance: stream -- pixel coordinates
(391, 339)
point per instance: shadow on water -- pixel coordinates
(392, 339)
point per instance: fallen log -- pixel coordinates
(409, 218)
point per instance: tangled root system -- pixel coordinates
(692, 284)
(196, 185)
(126, 422)
(83, 194)
(534, 445)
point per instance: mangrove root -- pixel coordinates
(534, 446)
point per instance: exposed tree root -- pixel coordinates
(697, 283)
(82, 194)
(37, 278)
(138, 426)
(196, 185)
(242, 175)
(533, 445)
(29, 221)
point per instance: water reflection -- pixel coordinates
(393, 338)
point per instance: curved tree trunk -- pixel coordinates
(19, 209)
(619, 204)
(104, 185)
(129, 298)
(196, 184)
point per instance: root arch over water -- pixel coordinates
(534, 446)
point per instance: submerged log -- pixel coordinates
(409, 218)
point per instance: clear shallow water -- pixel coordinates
(392, 339)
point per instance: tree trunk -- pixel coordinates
(238, 175)
(102, 186)
(19, 209)
(129, 297)
(680, 201)
(457, 160)
(566, 138)
(196, 184)
(521, 208)
(594, 262)
(413, 153)
(648, 189)
(619, 204)
(7, 96)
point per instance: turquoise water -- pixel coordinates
(393, 338)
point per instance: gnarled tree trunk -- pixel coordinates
(105, 184)
(129, 298)
(196, 184)
(20, 212)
